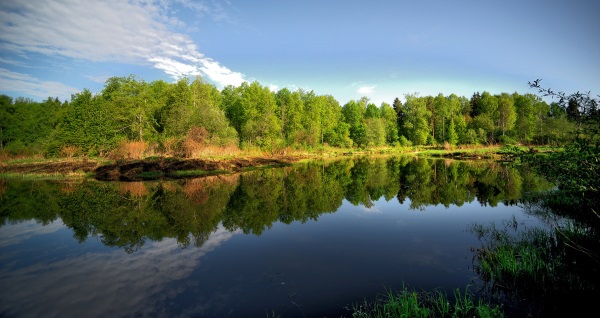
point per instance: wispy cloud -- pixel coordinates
(98, 78)
(18, 82)
(138, 32)
(366, 90)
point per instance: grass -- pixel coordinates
(409, 303)
(195, 173)
(45, 176)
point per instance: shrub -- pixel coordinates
(69, 151)
(130, 150)
(404, 142)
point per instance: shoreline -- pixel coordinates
(152, 168)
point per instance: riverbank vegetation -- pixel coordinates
(134, 119)
(552, 272)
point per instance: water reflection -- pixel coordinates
(175, 248)
(103, 283)
(126, 215)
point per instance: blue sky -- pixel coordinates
(349, 49)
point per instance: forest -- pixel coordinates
(132, 118)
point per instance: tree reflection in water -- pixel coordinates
(126, 215)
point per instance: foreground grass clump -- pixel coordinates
(408, 303)
(538, 272)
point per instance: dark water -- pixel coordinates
(303, 241)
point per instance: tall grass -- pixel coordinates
(530, 268)
(409, 303)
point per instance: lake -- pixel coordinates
(309, 240)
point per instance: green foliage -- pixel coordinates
(206, 113)
(415, 122)
(354, 113)
(160, 114)
(259, 123)
(85, 124)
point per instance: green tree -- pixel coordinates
(133, 105)
(290, 110)
(354, 113)
(455, 118)
(525, 123)
(313, 112)
(260, 124)
(86, 124)
(487, 116)
(416, 120)
(507, 114)
(231, 103)
(398, 108)
(176, 113)
(388, 114)
(334, 130)
(372, 111)
(206, 113)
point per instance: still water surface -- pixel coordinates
(303, 241)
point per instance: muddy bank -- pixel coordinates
(177, 168)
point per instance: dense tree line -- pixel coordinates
(177, 117)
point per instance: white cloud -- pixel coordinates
(135, 32)
(366, 90)
(18, 82)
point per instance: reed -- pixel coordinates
(409, 303)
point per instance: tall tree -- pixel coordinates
(334, 130)
(442, 115)
(354, 113)
(507, 114)
(525, 123)
(206, 113)
(177, 112)
(487, 116)
(132, 103)
(388, 114)
(260, 124)
(290, 110)
(416, 122)
(87, 125)
(397, 105)
(313, 110)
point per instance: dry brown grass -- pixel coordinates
(213, 151)
(69, 151)
(130, 150)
